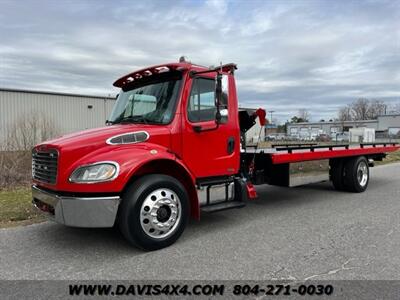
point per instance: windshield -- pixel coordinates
(151, 102)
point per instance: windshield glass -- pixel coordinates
(152, 101)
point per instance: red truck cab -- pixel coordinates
(172, 146)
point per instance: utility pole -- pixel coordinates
(271, 111)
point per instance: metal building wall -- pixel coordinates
(70, 113)
(389, 121)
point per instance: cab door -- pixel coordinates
(209, 149)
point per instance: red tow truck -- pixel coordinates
(174, 148)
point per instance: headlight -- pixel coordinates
(98, 172)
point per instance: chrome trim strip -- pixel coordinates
(79, 211)
(115, 164)
(108, 141)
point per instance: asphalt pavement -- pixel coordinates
(309, 232)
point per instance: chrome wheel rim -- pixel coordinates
(362, 173)
(160, 213)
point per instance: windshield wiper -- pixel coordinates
(134, 119)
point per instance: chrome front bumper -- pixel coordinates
(76, 211)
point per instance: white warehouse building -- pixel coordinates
(66, 112)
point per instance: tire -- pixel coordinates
(337, 174)
(356, 174)
(154, 212)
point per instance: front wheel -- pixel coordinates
(154, 211)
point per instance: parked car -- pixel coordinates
(313, 136)
(270, 137)
(280, 136)
(340, 137)
(293, 137)
(275, 137)
(323, 138)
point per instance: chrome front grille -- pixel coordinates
(44, 166)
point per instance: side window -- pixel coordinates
(202, 100)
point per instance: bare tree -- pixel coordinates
(377, 108)
(303, 114)
(15, 153)
(29, 130)
(344, 113)
(362, 109)
(395, 109)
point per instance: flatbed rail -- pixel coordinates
(293, 145)
(290, 148)
(331, 151)
(310, 147)
(282, 155)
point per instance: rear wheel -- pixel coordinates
(154, 212)
(337, 174)
(356, 174)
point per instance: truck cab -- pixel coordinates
(167, 130)
(173, 148)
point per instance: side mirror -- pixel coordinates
(218, 97)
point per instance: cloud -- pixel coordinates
(317, 55)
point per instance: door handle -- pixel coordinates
(231, 145)
(206, 127)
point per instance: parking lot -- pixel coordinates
(309, 232)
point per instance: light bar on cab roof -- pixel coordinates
(137, 75)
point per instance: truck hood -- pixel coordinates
(93, 139)
(91, 146)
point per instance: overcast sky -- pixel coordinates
(317, 55)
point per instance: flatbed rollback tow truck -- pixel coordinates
(173, 149)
